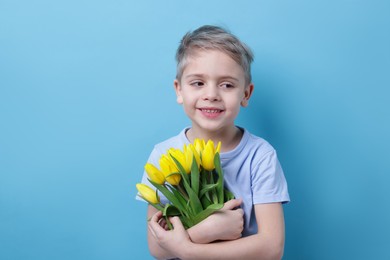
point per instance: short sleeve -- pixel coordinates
(268, 181)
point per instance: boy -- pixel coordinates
(213, 80)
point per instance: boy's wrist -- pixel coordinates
(200, 233)
(187, 251)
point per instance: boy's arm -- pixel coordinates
(225, 224)
(155, 249)
(268, 243)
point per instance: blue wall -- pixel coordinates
(86, 90)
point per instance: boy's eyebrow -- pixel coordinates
(195, 76)
(203, 76)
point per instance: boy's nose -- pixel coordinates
(211, 93)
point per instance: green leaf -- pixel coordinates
(228, 195)
(203, 177)
(220, 186)
(176, 191)
(206, 188)
(189, 209)
(170, 196)
(193, 198)
(195, 176)
(182, 172)
(204, 183)
(213, 192)
(187, 222)
(170, 210)
(195, 203)
(207, 212)
(180, 197)
(206, 202)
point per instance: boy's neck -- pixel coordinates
(229, 139)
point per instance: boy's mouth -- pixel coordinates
(211, 112)
(206, 110)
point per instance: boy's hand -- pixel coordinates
(225, 224)
(173, 241)
(163, 223)
(228, 223)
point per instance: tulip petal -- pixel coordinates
(208, 156)
(155, 174)
(148, 193)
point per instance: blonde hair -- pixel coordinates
(210, 37)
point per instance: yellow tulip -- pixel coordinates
(148, 193)
(218, 150)
(188, 157)
(171, 162)
(190, 152)
(199, 145)
(181, 158)
(154, 174)
(208, 156)
(168, 167)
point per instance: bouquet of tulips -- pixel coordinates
(192, 181)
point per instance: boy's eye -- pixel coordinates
(227, 85)
(197, 83)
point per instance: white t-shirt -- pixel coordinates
(251, 171)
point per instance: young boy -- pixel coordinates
(213, 80)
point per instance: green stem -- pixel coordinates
(182, 191)
(169, 223)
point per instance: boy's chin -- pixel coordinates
(213, 127)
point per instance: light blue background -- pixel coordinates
(86, 91)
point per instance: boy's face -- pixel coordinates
(212, 89)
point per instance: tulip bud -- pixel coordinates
(218, 150)
(208, 156)
(199, 145)
(154, 174)
(148, 193)
(191, 152)
(181, 158)
(168, 167)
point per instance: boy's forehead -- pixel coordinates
(201, 61)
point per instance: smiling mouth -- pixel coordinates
(210, 111)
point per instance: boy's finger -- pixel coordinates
(156, 217)
(152, 231)
(156, 230)
(177, 224)
(241, 211)
(231, 204)
(154, 226)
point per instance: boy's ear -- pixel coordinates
(176, 85)
(247, 94)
